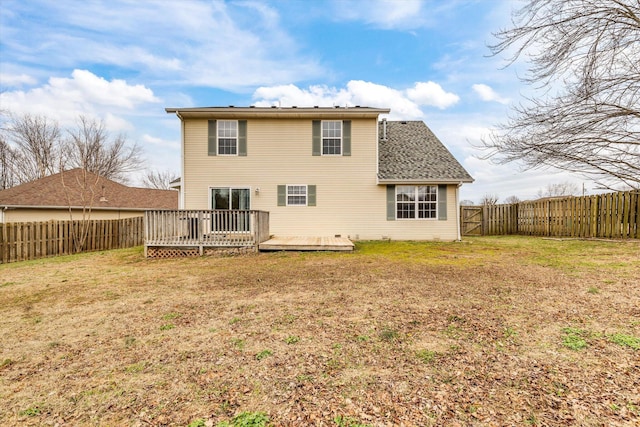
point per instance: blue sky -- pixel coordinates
(124, 61)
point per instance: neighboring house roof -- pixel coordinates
(411, 152)
(77, 188)
(232, 112)
(176, 183)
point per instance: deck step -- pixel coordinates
(307, 244)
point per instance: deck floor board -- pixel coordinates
(307, 244)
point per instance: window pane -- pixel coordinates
(220, 198)
(427, 193)
(427, 210)
(417, 202)
(331, 146)
(406, 210)
(331, 129)
(332, 137)
(240, 199)
(297, 195)
(405, 193)
(228, 137)
(227, 146)
(227, 129)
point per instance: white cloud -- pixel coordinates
(84, 93)
(15, 80)
(98, 91)
(160, 142)
(385, 14)
(375, 95)
(486, 93)
(404, 103)
(432, 94)
(216, 44)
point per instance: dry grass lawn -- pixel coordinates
(485, 332)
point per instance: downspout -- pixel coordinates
(182, 182)
(458, 210)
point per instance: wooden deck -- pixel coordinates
(170, 233)
(307, 244)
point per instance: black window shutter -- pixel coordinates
(242, 137)
(442, 202)
(282, 195)
(316, 137)
(391, 202)
(346, 138)
(213, 138)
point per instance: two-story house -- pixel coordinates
(322, 171)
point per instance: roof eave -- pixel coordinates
(452, 181)
(288, 112)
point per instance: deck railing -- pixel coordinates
(205, 228)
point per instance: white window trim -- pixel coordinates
(237, 137)
(322, 138)
(230, 187)
(306, 194)
(416, 202)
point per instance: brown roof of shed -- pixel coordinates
(78, 188)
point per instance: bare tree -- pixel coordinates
(80, 189)
(584, 56)
(36, 147)
(466, 202)
(512, 200)
(565, 188)
(90, 147)
(489, 199)
(160, 180)
(8, 177)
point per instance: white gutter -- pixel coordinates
(424, 181)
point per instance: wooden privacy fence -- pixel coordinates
(611, 215)
(20, 241)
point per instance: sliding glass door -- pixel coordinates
(230, 199)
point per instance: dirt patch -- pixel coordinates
(405, 334)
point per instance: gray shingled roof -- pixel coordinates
(412, 152)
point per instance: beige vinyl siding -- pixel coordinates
(349, 202)
(33, 215)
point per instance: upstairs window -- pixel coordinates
(332, 138)
(417, 202)
(227, 137)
